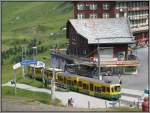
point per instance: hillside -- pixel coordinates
(28, 24)
(23, 22)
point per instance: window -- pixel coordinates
(93, 6)
(112, 89)
(75, 82)
(121, 14)
(117, 89)
(108, 89)
(72, 83)
(106, 6)
(105, 15)
(130, 69)
(68, 82)
(91, 87)
(98, 89)
(80, 6)
(121, 55)
(80, 16)
(65, 80)
(80, 84)
(103, 88)
(84, 86)
(94, 15)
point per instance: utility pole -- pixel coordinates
(43, 74)
(15, 79)
(99, 68)
(23, 73)
(53, 86)
(53, 81)
(34, 54)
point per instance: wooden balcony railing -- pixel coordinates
(119, 63)
(138, 8)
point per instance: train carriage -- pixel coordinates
(90, 86)
(86, 85)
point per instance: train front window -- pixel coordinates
(117, 88)
(112, 89)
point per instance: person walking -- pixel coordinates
(120, 81)
(71, 102)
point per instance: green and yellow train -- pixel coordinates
(85, 85)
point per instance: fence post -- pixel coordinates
(106, 104)
(119, 103)
(89, 104)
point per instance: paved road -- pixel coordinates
(140, 80)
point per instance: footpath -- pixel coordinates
(84, 101)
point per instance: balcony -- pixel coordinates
(117, 63)
(137, 17)
(138, 8)
(139, 28)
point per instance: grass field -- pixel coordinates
(33, 96)
(28, 20)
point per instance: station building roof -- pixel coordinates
(110, 31)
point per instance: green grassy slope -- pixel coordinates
(25, 21)
(28, 20)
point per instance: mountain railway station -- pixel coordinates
(114, 38)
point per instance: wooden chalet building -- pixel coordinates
(114, 36)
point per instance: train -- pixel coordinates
(78, 83)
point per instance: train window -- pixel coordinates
(97, 89)
(72, 83)
(87, 87)
(91, 87)
(75, 82)
(58, 78)
(103, 88)
(117, 88)
(108, 89)
(68, 82)
(84, 86)
(80, 84)
(65, 80)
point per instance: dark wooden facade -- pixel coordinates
(78, 45)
